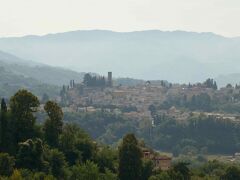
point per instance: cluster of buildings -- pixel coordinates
(138, 98)
(115, 97)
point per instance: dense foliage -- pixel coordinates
(54, 150)
(10, 83)
(92, 81)
(198, 134)
(204, 97)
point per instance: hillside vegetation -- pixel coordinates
(17, 73)
(10, 83)
(41, 72)
(54, 150)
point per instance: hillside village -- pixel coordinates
(144, 101)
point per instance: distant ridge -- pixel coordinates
(115, 32)
(176, 56)
(40, 72)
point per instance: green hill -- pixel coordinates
(41, 72)
(16, 73)
(10, 83)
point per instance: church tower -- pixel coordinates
(110, 79)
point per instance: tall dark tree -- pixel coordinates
(215, 85)
(130, 163)
(94, 81)
(210, 83)
(63, 95)
(54, 124)
(87, 79)
(22, 105)
(3, 105)
(3, 125)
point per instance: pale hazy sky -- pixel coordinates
(23, 17)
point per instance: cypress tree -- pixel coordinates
(3, 125)
(130, 163)
(54, 124)
(3, 105)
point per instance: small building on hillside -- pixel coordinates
(146, 154)
(162, 162)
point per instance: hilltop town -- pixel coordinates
(146, 100)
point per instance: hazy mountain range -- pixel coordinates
(41, 72)
(174, 56)
(16, 73)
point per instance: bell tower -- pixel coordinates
(110, 79)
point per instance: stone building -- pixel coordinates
(162, 162)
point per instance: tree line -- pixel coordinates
(58, 150)
(93, 81)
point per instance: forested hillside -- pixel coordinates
(196, 135)
(11, 83)
(41, 72)
(40, 79)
